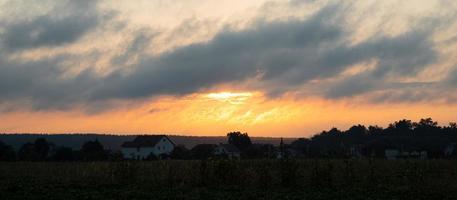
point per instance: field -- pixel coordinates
(222, 179)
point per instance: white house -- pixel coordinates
(143, 146)
(228, 150)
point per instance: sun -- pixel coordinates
(230, 97)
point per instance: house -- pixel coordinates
(392, 154)
(355, 151)
(229, 150)
(449, 150)
(418, 155)
(145, 145)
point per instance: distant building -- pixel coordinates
(229, 150)
(355, 151)
(392, 154)
(421, 155)
(449, 150)
(143, 146)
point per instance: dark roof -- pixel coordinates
(145, 141)
(230, 148)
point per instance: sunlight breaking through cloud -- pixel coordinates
(232, 98)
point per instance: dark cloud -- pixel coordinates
(41, 83)
(404, 55)
(279, 56)
(231, 56)
(353, 85)
(452, 77)
(140, 41)
(65, 23)
(425, 93)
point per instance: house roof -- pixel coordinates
(144, 141)
(230, 148)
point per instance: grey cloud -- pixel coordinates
(404, 55)
(231, 56)
(134, 49)
(383, 91)
(450, 83)
(279, 56)
(452, 77)
(352, 86)
(42, 84)
(66, 23)
(285, 54)
(429, 93)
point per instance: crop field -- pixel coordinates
(224, 179)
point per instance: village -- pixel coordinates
(403, 139)
(160, 146)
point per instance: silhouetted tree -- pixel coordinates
(328, 144)
(402, 127)
(180, 152)
(355, 135)
(240, 140)
(202, 151)
(426, 127)
(357, 131)
(403, 135)
(6, 152)
(453, 125)
(374, 130)
(37, 151)
(116, 156)
(92, 146)
(301, 145)
(451, 131)
(27, 153)
(64, 154)
(258, 151)
(93, 151)
(42, 147)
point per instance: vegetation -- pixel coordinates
(231, 179)
(240, 140)
(403, 135)
(6, 152)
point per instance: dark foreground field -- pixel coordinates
(302, 179)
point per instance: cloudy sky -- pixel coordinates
(205, 67)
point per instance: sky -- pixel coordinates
(267, 67)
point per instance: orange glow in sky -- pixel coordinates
(217, 113)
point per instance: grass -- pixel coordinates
(222, 179)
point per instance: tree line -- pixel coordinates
(358, 140)
(43, 150)
(372, 141)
